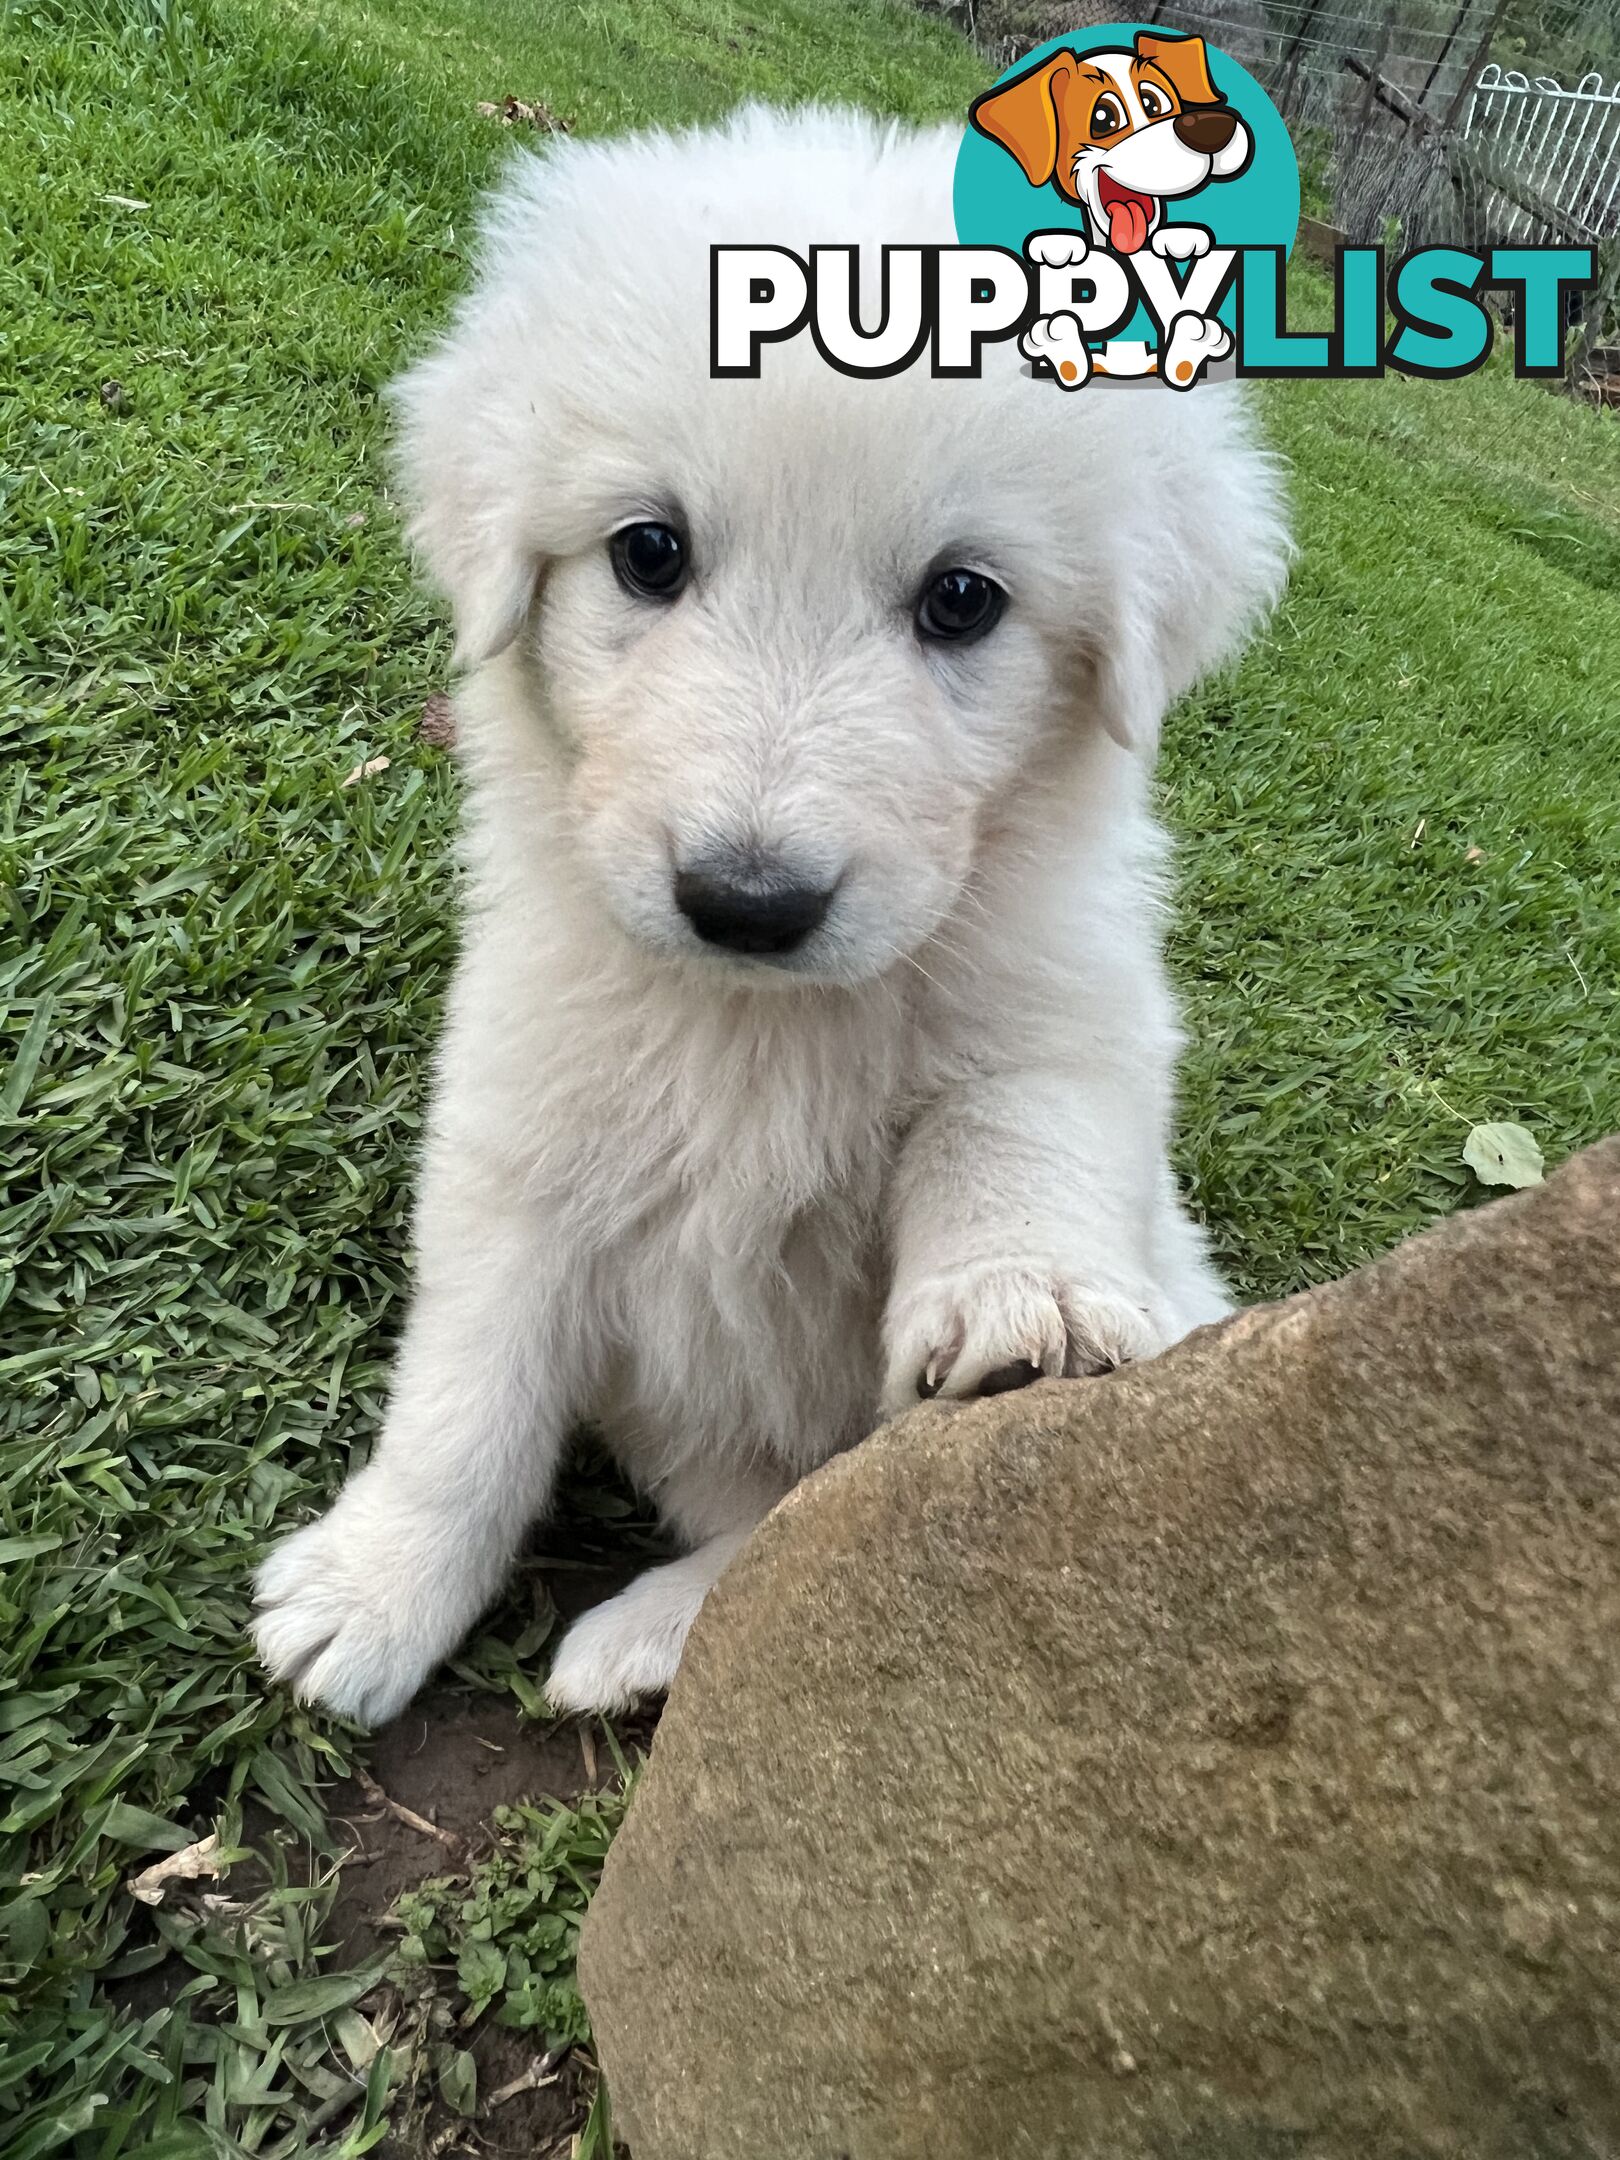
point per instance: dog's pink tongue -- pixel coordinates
(1127, 225)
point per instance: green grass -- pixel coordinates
(220, 969)
(1442, 678)
(509, 1931)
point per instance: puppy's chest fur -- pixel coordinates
(716, 1165)
(758, 1230)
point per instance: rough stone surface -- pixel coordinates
(1219, 1759)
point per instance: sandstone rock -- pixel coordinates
(1218, 1759)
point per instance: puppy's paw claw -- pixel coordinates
(612, 1659)
(1001, 1325)
(342, 1624)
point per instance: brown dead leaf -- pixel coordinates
(437, 726)
(366, 770)
(1475, 854)
(185, 1865)
(521, 112)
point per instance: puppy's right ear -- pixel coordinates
(460, 472)
(1022, 116)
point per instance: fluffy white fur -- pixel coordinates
(732, 1212)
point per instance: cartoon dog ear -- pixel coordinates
(459, 473)
(1186, 61)
(1022, 116)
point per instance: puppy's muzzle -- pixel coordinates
(1207, 131)
(751, 904)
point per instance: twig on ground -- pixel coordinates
(401, 1813)
(544, 2070)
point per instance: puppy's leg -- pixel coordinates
(357, 1609)
(1193, 1290)
(631, 1646)
(1026, 1211)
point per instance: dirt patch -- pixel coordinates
(451, 1760)
(424, 1808)
(536, 2124)
(453, 1757)
(421, 1804)
(535, 2120)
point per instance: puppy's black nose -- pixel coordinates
(1206, 131)
(750, 911)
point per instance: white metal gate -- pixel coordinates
(1557, 151)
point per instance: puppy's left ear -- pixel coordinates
(1186, 589)
(1186, 61)
(1132, 680)
(460, 467)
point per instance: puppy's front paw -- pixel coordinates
(607, 1663)
(631, 1646)
(1004, 1323)
(346, 1619)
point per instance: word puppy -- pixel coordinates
(809, 1050)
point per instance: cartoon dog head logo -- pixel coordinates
(1119, 132)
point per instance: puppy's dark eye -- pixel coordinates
(649, 560)
(1154, 103)
(1107, 118)
(959, 604)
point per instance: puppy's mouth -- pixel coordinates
(1129, 213)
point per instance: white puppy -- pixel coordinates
(810, 1048)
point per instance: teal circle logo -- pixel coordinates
(1148, 145)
